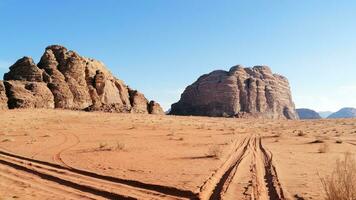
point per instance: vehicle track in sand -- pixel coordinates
(73, 141)
(248, 173)
(89, 183)
(69, 141)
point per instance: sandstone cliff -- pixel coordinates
(239, 92)
(64, 79)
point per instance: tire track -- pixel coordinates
(274, 187)
(51, 147)
(262, 182)
(91, 182)
(215, 187)
(67, 183)
(36, 184)
(58, 156)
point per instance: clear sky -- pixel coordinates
(161, 46)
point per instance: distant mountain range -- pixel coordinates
(344, 113)
(305, 113)
(325, 114)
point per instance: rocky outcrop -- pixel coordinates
(305, 113)
(3, 97)
(24, 70)
(64, 79)
(24, 94)
(155, 108)
(138, 101)
(239, 92)
(344, 113)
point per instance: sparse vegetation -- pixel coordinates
(300, 133)
(338, 141)
(225, 115)
(103, 145)
(323, 148)
(120, 146)
(341, 184)
(214, 152)
(7, 140)
(201, 126)
(278, 134)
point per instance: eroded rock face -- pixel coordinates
(74, 82)
(155, 108)
(24, 70)
(24, 94)
(3, 97)
(138, 101)
(239, 92)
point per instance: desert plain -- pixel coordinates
(62, 154)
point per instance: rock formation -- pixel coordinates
(239, 92)
(3, 97)
(305, 113)
(64, 79)
(344, 113)
(155, 108)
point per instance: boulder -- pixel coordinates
(138, 101)
(155, 108)
(240, 92)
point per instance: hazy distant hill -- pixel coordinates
(325, 114)
(344, 113)
(305, 113)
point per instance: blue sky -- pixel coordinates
(160, 47)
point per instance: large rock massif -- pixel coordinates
(305, 113)
(240, 92)
(64, 79)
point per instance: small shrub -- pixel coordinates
(119, 146)
(214, 152)
(317, 141)
(338, 141)
(341, 184)
(279, 134)
(201, 126)
(225, 115)
(301, 133)
(324, 147)
(7, 140)
(103, 145)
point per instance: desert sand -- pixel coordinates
(61, 154)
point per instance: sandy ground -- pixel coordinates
(58, 154)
